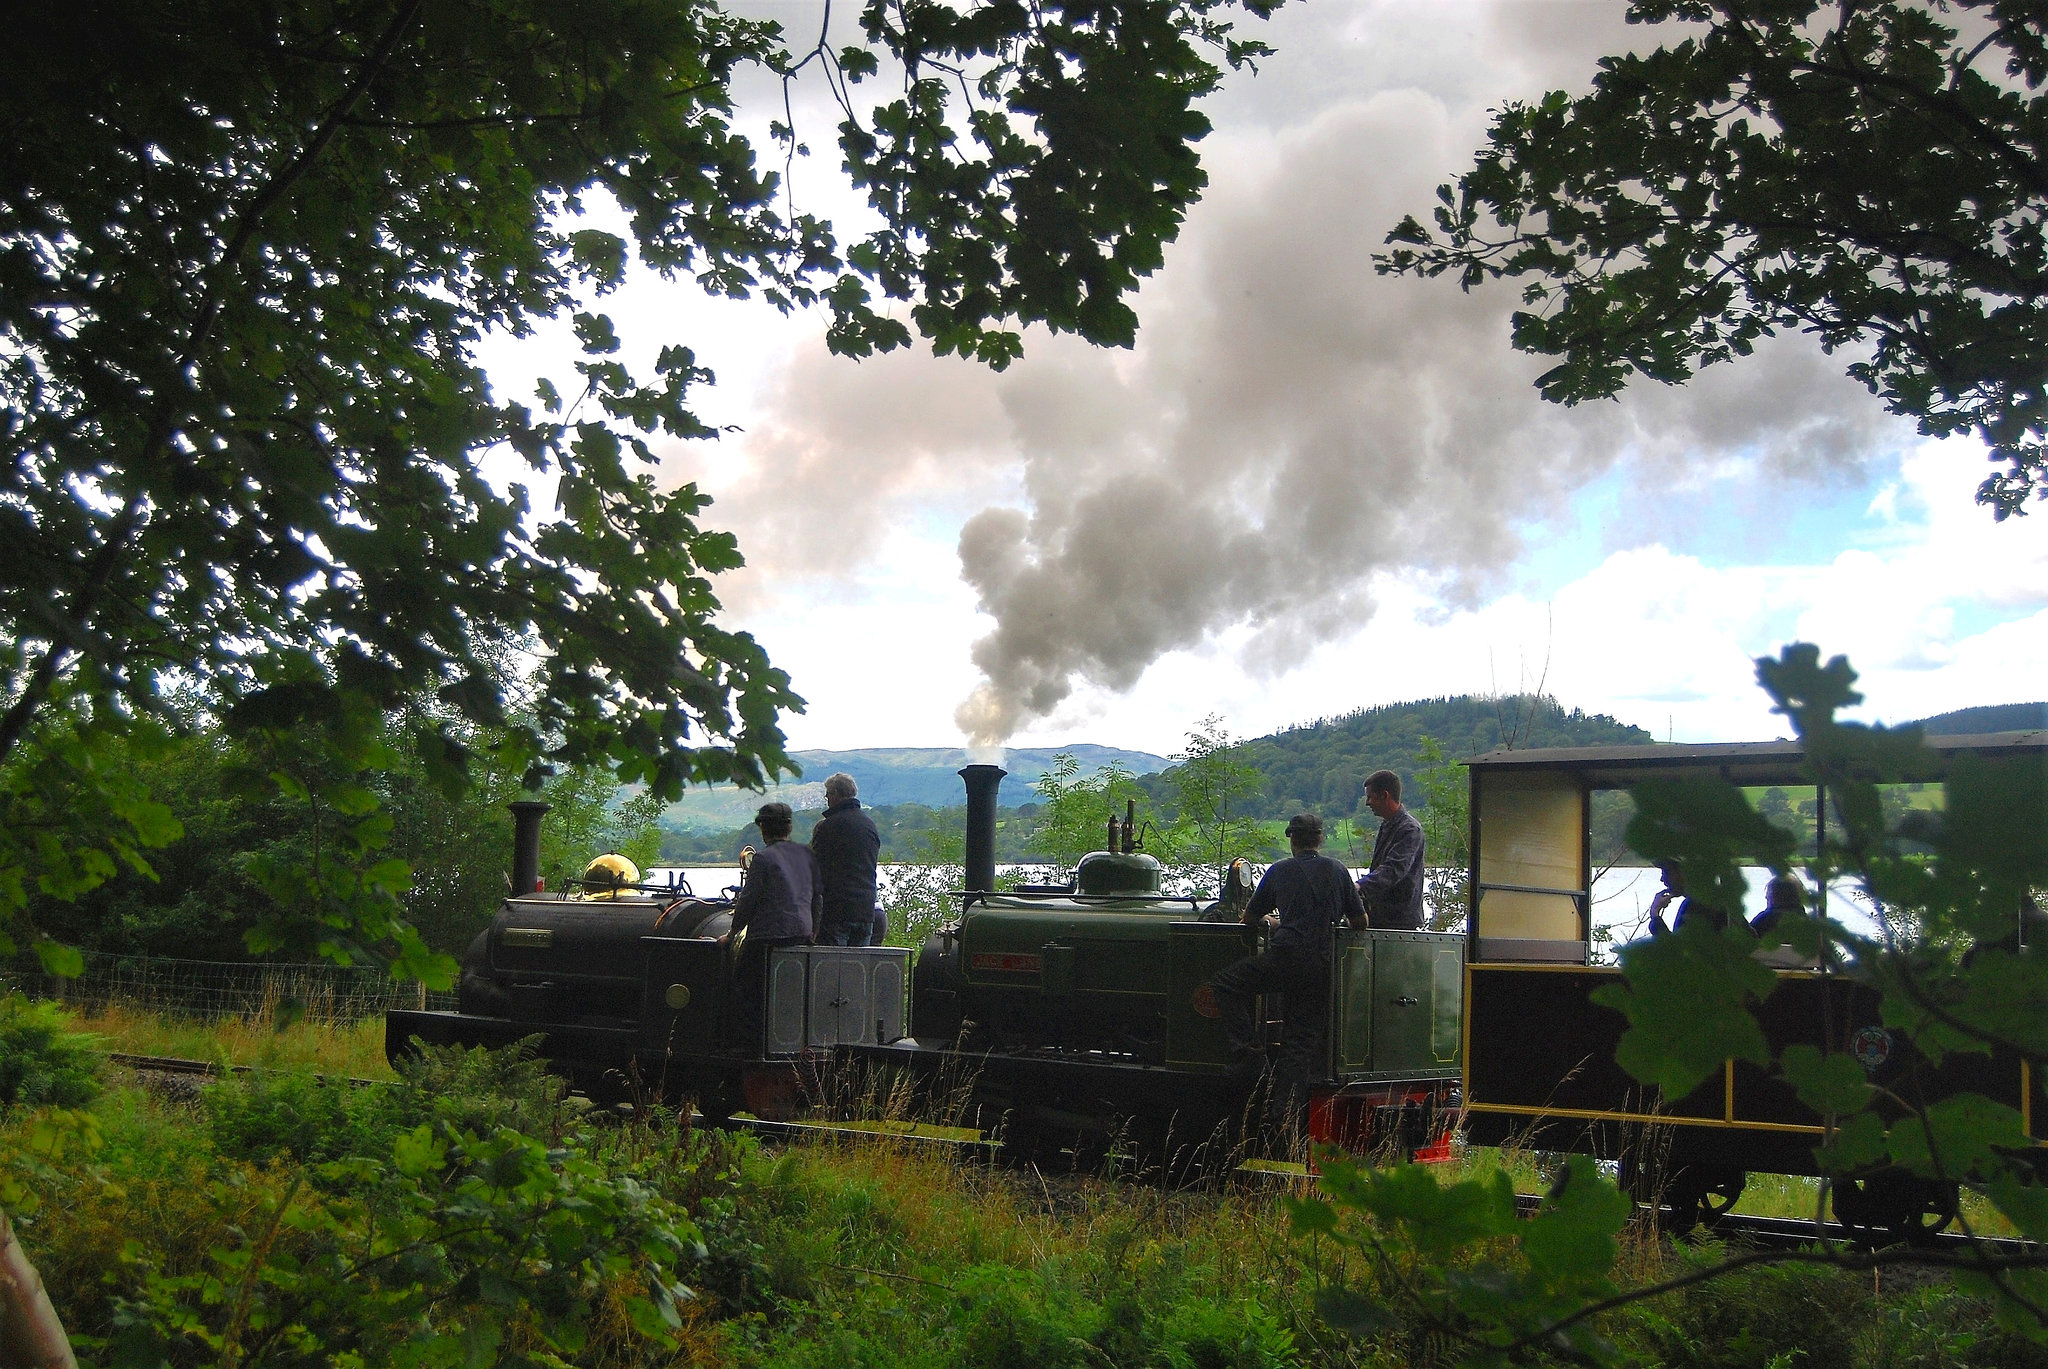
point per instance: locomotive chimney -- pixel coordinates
(982, 783)
(526, 815)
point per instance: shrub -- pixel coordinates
(41, 1063)
(270, 1115)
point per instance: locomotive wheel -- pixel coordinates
(1893, 1209)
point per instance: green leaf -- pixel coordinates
(1355, 1313)
(1688, 998)
(1826, 1083)
(59, 960)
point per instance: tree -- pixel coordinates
(1868, 173)
(1215, 789)
(247, 253)
(1956, 979)
(1446, 817)
(1074, 815)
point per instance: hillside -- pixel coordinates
(927, 775)
(1321, 766)
(1989, 718)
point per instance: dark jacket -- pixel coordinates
(1392, 888)
(783, 895)
(846, 844)
(1313, 893)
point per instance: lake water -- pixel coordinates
(1621, 895)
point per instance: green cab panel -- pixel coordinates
(1195, 951)
(1398, 998)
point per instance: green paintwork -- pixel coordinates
(1397, 1004)
(1195, 951)
(1108, 872)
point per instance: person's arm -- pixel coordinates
(749, 900)
(817, 893)
(1354, 904)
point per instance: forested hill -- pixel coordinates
(1989, 718)
(1321, 766)
(927, 775)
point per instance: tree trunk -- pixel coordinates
(31, 1336)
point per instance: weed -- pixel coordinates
(42, 1063)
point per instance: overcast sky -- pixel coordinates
(1310, 488)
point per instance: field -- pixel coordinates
(277, 1219)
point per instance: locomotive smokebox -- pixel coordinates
(982, 783)
(526, 815)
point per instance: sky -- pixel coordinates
(1310, 488)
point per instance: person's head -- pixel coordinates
(775, 821)
(839, 788)
(1674, 878)
(1305, 832)
(1383, 793)
(1785, 894)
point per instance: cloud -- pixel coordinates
(1294, 424)
(1293, 431)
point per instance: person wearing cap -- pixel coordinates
(1310, 893)
(1391, 887)
(847, 846)
(779, 905)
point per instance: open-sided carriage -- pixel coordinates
(1540, 1067)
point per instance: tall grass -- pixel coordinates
(355, 1050)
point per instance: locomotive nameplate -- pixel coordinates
(528, 938)
(1005, 962)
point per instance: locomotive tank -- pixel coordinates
(1108, 964)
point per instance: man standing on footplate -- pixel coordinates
(1311, 893)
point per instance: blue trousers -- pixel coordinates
(1302, 978)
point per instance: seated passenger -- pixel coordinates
(1785, 897)
(1785, 894)
(1674, 891)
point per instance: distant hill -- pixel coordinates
(1989, 718)
(927, 775)
(1321, 766)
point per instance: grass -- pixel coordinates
(859, 1248)
(356, 1051)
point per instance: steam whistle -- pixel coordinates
(1110, 845)
(1130, 825)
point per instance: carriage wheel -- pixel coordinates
(1687, 1197)
(1894, 1208)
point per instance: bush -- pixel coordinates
(269, 1115)
(41, 1063)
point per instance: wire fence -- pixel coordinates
(209, 990)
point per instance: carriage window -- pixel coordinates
(1532, 876)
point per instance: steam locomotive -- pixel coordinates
(1061, 1019)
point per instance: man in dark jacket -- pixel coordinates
(846, 844)
(1310, 893)
(1392, 887)
(779, 905)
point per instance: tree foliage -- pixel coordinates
(247, 256)
(1075, 810)
(1215, 790)
(1874, 174)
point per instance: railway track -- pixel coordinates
(1774, 1233)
